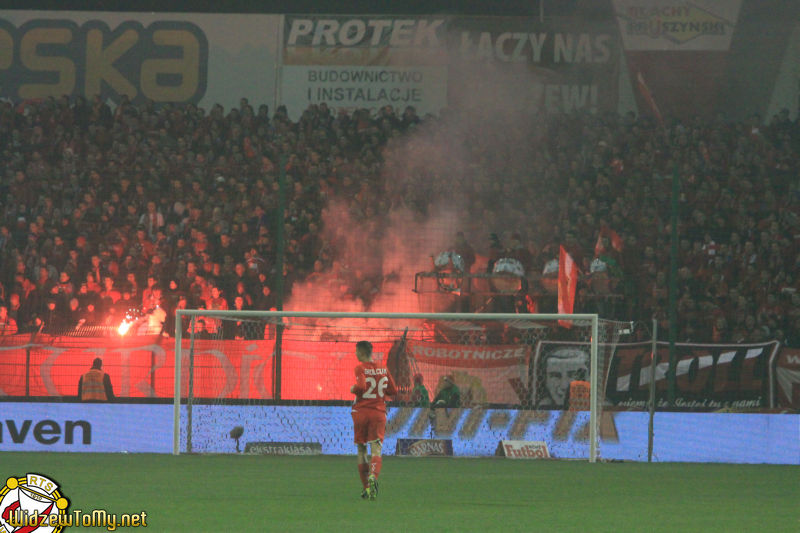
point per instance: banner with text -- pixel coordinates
(708, 377)
(525, 64)
(650, 25)
(144, 367)
(483, 374)
(164, 57)
(700, 437)
(350, 62)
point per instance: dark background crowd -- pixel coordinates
(107, 210)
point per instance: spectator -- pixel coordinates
(465, 250)
(8, 325)
(419, 394)
(449, 395)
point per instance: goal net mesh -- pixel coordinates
(252, 379)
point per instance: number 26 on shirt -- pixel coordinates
(375, 389)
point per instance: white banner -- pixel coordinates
(351, 62)
(371, 87)
(702, 25)
(165, 57)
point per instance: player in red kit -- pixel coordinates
(373, 384)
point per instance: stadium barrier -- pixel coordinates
(709, 376)
(147, 428)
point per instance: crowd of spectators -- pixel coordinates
(108, 210)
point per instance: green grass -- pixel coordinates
(259, 493)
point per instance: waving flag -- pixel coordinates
(567, 281)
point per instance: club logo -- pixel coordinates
(31, 503)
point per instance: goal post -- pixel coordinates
(227, 362)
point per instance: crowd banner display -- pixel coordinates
(195, 58)
(709, 376)
(697, 58)
(486, 374)
(350, 62)
(657, 25)
(553, 66)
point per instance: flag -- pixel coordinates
(648, 98)
(613, 236)
(567, 281)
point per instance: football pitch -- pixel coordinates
(206, 493)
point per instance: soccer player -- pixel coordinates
(373, 384)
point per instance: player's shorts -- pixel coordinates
(368, 425)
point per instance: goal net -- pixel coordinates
(264, 381)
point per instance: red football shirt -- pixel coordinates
(373, 384)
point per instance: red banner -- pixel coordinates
(144, 367)
(484, 374)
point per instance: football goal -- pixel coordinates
(245, 379)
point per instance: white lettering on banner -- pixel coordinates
(664, 25)
(793, 359)
(726, 357)
(300, 27)
(704, 361)
(581, 49)
(568, 97)
(46, 369)
(467, 354)
(520, 449)
(753, 352)
(364, 32)
(249, 359)
(352, 32)
(516, 47)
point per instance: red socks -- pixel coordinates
(363, 473)
(375, 465)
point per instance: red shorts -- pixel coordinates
(368, 425)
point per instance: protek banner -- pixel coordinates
(363, 62)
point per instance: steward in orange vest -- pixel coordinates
(95, 385)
